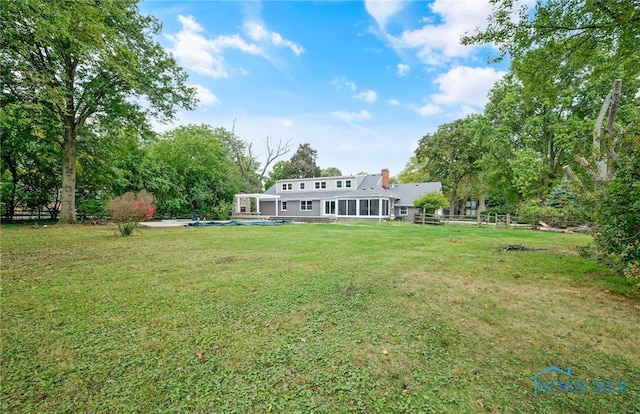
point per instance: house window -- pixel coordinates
(339, 184)
(317, 184)
(385, 207)
(370, 207)
(364, 207)
(347, 183)
(403, 211)
(287, 186)
(302, 186)
(374, 207)
(284, 206)
(351, 207)
(329, 207)
(306, 205)
(471, 208)
(347, 207)
(323, 184)
(342, 207)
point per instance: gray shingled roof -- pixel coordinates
(370, 186)
(406, 193)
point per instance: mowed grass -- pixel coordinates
(371, 317)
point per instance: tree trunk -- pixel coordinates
(10, 206)
(453, 200)
(452, 207)
(481, 202)
(68, 196)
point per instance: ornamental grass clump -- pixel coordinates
(128, 210)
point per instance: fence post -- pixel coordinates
(508, 220)
(424, 216)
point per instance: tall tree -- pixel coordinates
(87, 60)
(303, 163)
(449, 155)
(565, 55)
(28, 159)
(190, 169)
(526, 141)
(252, 171)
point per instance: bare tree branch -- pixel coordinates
(274, 153)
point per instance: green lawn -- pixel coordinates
(387, 317)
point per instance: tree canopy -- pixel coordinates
(592, 39)
(302, 163)
(190, 169)
(81, 62)
(449, 155)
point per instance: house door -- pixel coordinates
(329, 208)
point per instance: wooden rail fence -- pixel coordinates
(497, 220)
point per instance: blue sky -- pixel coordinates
(361, 81)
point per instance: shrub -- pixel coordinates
(222, 211)
(617, 217)
(92, 209)
(561, 196)
(430, 202)
(534, 213)
(129, 209)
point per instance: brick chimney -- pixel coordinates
(385, 178)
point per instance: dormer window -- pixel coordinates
(320, 184)
(302, 186)
(339, 184)
(347, 183)
(287, 186)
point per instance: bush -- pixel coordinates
(130, 209)
(534, 213)
(430, 202)
(92, 209)
(561, 196)
(222, 211)
(617, 217)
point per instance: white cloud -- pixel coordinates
(204, 95)
(382, 10)
(340, 82)
(259, 33)
(428, 109)
(368, 96)
(351, 116)
(403, 69)
(393, 102)
(287, 123)
(203, 55)
(440, 42)
(466, 85)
